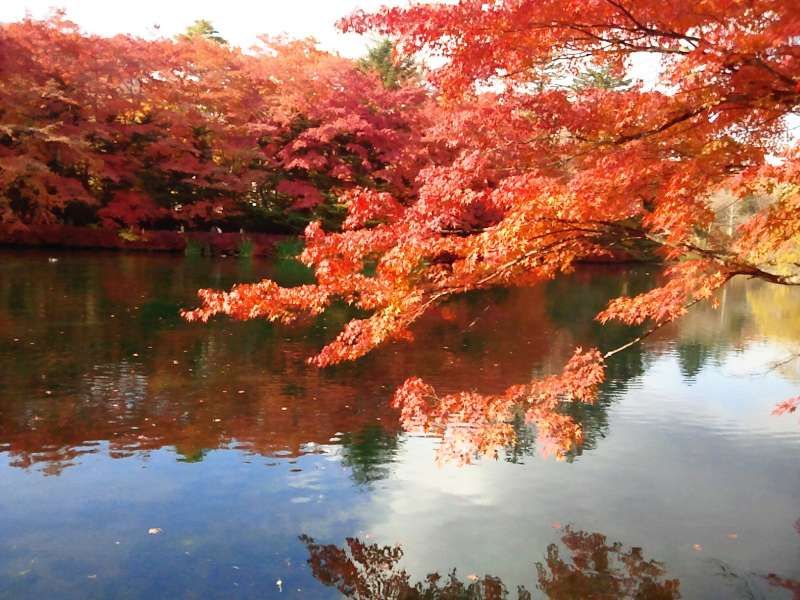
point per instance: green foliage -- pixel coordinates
(392, 70)
(245, 248)
(288, 249)
(289, 271)
(194, 249)
(203, 28)
(369, 453)
(601, 79)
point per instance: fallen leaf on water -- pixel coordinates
(154, 530)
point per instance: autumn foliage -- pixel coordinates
(583, 565)
(549, 166)
(542, 146)
(126, 132)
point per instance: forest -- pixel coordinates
(130, 134)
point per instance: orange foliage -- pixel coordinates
(539, 174)
(471, 423)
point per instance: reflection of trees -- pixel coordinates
(791, 585)
(706, 334)
(775, 311)
(370, 571)
(747, 310)
(369, 453)
(692, 357)
(594, 570)
(572, 304)
(102, 356)
(523, 442)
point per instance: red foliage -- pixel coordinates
(787, 407)
(529, 175)
(471, 424)
(129, 132)
(595, 569)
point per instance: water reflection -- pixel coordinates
(225, 439)
(584, 565)
(93, 350)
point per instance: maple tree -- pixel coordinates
(546, 168)
(126, 132)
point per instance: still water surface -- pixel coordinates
(144, 457)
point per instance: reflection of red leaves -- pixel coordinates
(790, 585)
(595, 568)
(475, 424)
(787, 584)
(599, 569)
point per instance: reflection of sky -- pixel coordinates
(682, 465)
(226, 521)
(739, 392)
(683, 461)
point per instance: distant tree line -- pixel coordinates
(191, 132)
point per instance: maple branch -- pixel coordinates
(648, 333)
(624, 139)
(671, 34)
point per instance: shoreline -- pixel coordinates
(202, 243)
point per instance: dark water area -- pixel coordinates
(145, 457)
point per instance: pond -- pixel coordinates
(145, 457)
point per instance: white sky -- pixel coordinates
(239, 21)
